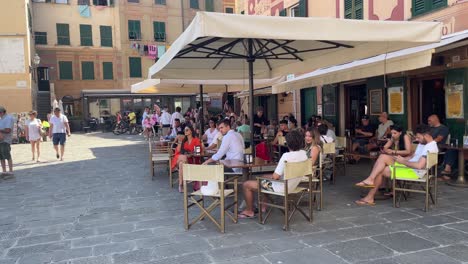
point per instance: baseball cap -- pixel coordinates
(2, 109)
(365, 117)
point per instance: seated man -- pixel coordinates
(177, 128)
(296, 154)
(383, 131)
(323, 131)
(440, 134)
(363, 134)
(283, 131)
(244, 129)
(414, 164)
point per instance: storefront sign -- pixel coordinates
(375, 102)
(395, 101)
(454, 101)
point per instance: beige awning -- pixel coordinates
(398, 61)
(214, 45)
(182, 86)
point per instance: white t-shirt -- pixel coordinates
(59, 124)
(210, 136)
(326, 139)
(421, 151)
(33, 129)
(293, 156)
(383, 128)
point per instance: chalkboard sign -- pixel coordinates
(375, 102)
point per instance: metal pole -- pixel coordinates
(201, 116)
(251, 60)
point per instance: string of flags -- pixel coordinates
(151, 51)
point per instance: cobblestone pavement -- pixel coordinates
(100, 206)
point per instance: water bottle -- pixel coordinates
(456, 142)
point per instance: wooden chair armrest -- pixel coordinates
(231, 179)
(270, 179)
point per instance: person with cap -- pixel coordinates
(363, 134)
(6, 128)
(59, 129)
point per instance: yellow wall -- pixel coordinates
(15, 96)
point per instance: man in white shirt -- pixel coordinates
(59, 129)
(6, 129)
(232, 145)
(414, 164)
(165, 121)
(176, 115)
(177, 128)
(296, 153)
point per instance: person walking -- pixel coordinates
(59, 129)
(33, 134)
(6, 128)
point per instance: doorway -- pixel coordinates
(427, 98)
(356, 103)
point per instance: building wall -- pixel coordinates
(16, 84)
(47, 15)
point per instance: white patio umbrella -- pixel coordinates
(227, 46)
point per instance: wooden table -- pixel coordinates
(460, 181)
(247, 167)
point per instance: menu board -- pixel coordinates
(395, 101)
(454, 101)
(375, 102)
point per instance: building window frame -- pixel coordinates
(63, 34)
(160, 2)
(135, 69)
(107, 70)
(422, 7)
(354, 9)
(106, 36)
(86, 35)
(87, 70)
(40, 38)
(159, 30)
(134, 29)
(209, 6)
(133, 1)
(229, 10)
(65, 70)
(194, 4)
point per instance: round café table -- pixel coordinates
(460, 181)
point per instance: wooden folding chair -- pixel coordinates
(426, 185)
(281, 143)
(329, 155)
(209, 173)
(293, 170)
(159, 153)
(340, 157)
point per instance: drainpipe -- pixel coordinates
(183, 14)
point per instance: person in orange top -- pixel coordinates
(185, 147)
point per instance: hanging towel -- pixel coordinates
(84, 10)
(161, 51)
(141, 50)
(152, 51)
(145, 48)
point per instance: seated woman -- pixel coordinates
(210, 133)
(312, 145)
(185, 147)
(398, 145)
(295, 154)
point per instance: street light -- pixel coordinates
(36, 60)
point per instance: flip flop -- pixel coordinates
(364, 185)
(244, 216)
(363, 203)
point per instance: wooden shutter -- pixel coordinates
(66, 70)
(283, 13)
(161, 2)
(63, 34)
(209, 5)
(87, 70)
(419, 7)
(194, 4)
(106, 36)
(358, 9)
(436, 4)
(159, 29)
(302, 8)
(348, 9)
(134, 29)
(86, 35)
(107, 71)
(40, 38)
(135, 67)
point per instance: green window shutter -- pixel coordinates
(229, 10)
(436, 4)
(160, 2)
(86, 35)
(283, 13)
(209, 5)
(303, 8)
(66, 70)
(106, 36)
(348, 9)
(107, 71)
(87, 70)
(40, 38)
(63, 34)
(135, 67)
(194, 4)
(159, 29)
(134, 29)
(358, 9)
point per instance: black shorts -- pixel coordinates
(5, 151)
(59, 139)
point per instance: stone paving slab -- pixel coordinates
(100, 206)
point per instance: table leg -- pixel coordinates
(460, 181)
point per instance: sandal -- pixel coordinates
(364, 185)
(364, 203)
(244, 216)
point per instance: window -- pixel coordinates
(354, 9)
(40, 38)
(61, 1)
(106, 36)
(283, 13)
(63, 34)
(87, 70)
(66, 70)
(86, 35)
(425, 6)
(107, 71)
(103, 2)
(209, 5)
(135, 67)
(229, 10)
(134, 1)
(159, 31)
(194, 4)
(134, 29)
(160, 2)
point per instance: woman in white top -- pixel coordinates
(210, 133)
(33, 134)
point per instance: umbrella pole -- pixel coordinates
(201, 116)
(250, 61)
